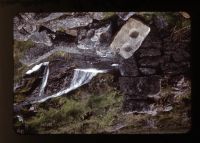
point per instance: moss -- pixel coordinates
(59, 54)
(61, 29)
(19, 98)
(19, 48)
(108, 14)
(77, 116)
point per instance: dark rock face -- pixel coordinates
(128, 67)
(140, 87)
(138, 91)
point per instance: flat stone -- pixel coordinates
(69, 23)
(150, 61)
(149, 52)
(140, 87)
(128, 67)
(41, 37)
(173, 68)
(180, 55)
(137, 105)
(160, 22)
(129, 38)
(72, 32)
(147, 71)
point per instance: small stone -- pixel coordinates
(41, 37)
(147, 71)
(72, 32)
(136, 105)
(97, 15)
(90, 33)
(180, 55)
(149, 52)
(125, 15)
(160, 22)
(175, 68)
(168, 108)
(128, 67)
(150, 61)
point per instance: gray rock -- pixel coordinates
(150, 61)
(97, 15)
(175, 68)
(129, 38)
(147, 71)
(136, 105)
(69, 23)
(160, 22)
(180, 55)
(149, 52)
(125, 15)
(128, 67)
(41, 37)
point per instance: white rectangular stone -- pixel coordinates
(129, 38)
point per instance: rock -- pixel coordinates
(69, 23)
(128, 67)
(90, 33)
(150, 61)
(33, 53)
(147, 71)
(136, 105)
(23, 27)
(97, 15)
(72, 32)
(125, 15)
(140, 87)
(129, 38)
(180, 55)
(149, 52)
(166, 58)
(160, 22)
(41, 37)
(49, 17)
(175, 68)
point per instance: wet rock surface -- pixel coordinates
(101, 53)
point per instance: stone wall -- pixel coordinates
(157, 58)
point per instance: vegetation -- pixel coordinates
(90, 115)
(19, 48)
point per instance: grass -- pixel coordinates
(88, 115)
(59, 54)
(85, 111)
